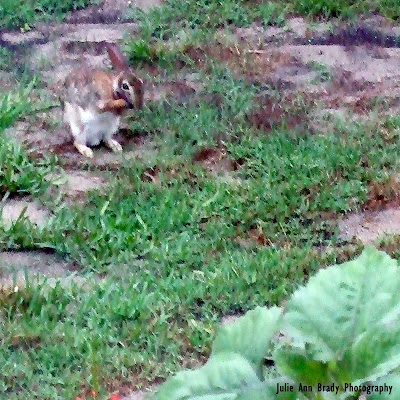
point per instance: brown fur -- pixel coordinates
(86, 87)
(116, 106)
(98, 92)
(118, 60)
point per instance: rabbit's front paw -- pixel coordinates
(84, 150)
(114, 145)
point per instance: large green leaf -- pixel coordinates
(345, 322)
(226, 376)
(223, 377)
(233, 371)
(250, 336)
(309, 372)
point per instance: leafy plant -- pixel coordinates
(341, 330)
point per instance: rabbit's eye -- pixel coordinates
(125, 86)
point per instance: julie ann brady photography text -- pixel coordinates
(348, 387)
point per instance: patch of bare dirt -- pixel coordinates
(296, 28)
(215, 159)
(14, 264)
(370, 64)
(376, 31)
(74, 184)
(139, 147)
(380, 215)
(272, 113)
(70, 46)
(383, 195)
(346, 66)
(178, 90)
(39, 133)
(80, 182)
(368, 226)
(13, 209)
(9, 39)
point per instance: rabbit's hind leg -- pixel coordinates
(78, 131)
(108, 140)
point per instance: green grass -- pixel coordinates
(205, 15)
(18, 175)
(146, 325)
(6, 59)
(180, 253)
(167, 32)
(24, 14)
(165, 260)
(347, 8)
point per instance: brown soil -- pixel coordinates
(38, 264)
(286, 111)
(369, 226)
(14, 208)
(216, 160)
(380, 215)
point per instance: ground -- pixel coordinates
(265, 151)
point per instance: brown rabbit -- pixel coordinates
(93, 100)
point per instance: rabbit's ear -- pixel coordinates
(118, 60)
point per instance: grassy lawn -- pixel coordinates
(171, 247)
(24, 14)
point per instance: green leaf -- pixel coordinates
(250, 336)
(268, 390)
(225, 376)
(221, 378)
(345, 322)
(234, 370)
(306, 371)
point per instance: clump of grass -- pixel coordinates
(322, 70)
(18, 174)
(176, 15)
(15, 104)
(197, 22)
(24, 14)
(157, 52)
(6, 59)
(347, 8)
